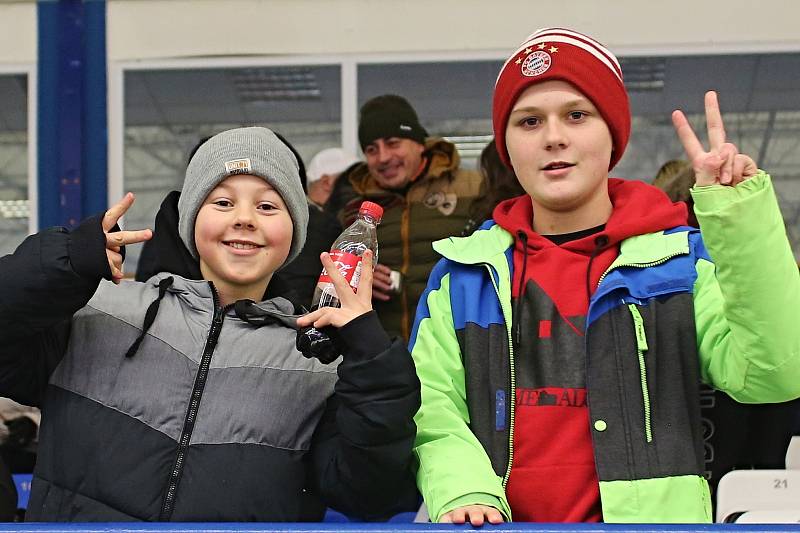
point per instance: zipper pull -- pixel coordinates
(220, 312)
(638, 325)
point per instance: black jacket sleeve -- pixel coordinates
(362, 449)
(43, 283)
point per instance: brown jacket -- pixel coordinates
(435, 205)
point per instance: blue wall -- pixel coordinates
(72, 111)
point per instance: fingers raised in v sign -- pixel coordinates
(117, 239)
(722, 163)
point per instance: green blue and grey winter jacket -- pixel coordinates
(663, 317)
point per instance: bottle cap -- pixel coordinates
(371, 209)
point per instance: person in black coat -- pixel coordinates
(297, 280)
(203, 410)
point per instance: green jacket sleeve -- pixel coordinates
(747, 302)
(452, 463)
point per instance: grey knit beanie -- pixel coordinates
(255, 151)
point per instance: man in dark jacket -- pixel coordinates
(425, 195)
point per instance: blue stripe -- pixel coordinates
(698, 246)
(472, 296)
(487, 224)
(637, 285)
(423, 311)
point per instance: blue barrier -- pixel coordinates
(23, 484)
(336, 516)
(390, 528)
(338, 523)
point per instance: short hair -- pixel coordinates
(675, 178)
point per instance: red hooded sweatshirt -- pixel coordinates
(553, 476)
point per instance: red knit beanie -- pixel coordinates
(561, 54)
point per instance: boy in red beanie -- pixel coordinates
(560, 347)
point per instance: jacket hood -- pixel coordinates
(165, 252)
(638, 208)
(443, 159)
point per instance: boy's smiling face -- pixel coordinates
(243, 234)
(560, 147)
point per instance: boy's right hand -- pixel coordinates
(476, 514)
(117, 239)
(352, 305)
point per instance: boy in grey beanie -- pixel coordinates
(185, 399)
(255, 151)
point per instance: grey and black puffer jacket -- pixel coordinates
(159, 404)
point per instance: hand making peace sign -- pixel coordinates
(353, 304)
(722, 164)
(117, 239)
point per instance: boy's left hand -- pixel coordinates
(722, 164)
(353, 304)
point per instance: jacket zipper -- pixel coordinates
(168, 505)
(639, 265)
(641, 347)
(513, 375)
(641, 339)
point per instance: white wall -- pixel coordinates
(149, 29)
(17, 33)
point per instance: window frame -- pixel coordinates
(29, 70)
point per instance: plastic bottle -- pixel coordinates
(346, 253)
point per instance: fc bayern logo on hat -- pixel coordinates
(536, 64)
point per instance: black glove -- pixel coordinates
(21, 432)
(320, 343)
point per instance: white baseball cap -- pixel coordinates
(330, 161)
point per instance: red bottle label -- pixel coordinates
(349, 266)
